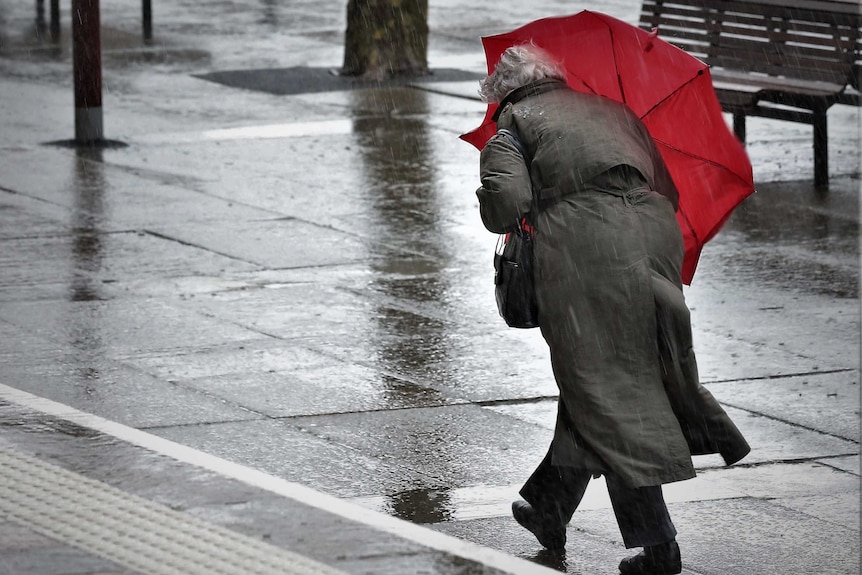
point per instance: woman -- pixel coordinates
(607, 259)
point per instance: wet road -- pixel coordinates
(301, 284)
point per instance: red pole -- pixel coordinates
(87, 68)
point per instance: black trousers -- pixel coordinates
(555, 493)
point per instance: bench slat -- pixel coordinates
(781, 54)
(792, 46)
(832, 13)
(794, 85)
(815, 33)
(780, 31)
(763, 59)
(841, 7)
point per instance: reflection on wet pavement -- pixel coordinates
(401, 190)
(89, 190)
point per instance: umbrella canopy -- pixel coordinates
(670, 90)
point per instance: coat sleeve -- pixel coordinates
(506, 193)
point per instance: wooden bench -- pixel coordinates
(782, 59)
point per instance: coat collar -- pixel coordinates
(531, 89)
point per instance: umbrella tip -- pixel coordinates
(653, 34)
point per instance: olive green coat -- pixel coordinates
(607, 259)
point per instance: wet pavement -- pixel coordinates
(276, 303)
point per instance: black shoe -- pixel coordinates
(552, 537)
(661, 559)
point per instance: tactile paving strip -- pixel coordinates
(130, 530)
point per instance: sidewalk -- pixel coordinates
(105, 504)
(269, 319)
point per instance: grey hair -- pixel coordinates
(519, 65)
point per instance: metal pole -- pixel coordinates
(821, 149)
(147, 7)
(87, 68)
(55, 20)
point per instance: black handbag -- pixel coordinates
(513, 265)
(513, 279)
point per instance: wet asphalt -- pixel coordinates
(287, 271)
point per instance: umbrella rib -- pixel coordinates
(702, 159)
(590, 88)
(617, 69)
(662, 101)
(691, 228)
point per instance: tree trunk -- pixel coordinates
(386, 38)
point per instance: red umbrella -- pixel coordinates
(670, 90)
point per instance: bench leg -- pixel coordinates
(821, 150)
(739, 126)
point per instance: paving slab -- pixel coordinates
(259, 355)
(771, 439)
(15, 536)
(452, 449)
(730, 356)
(741, 536)
(122, 327)
(828, 403)
(849, 464)
(293, 452)
(106, 263)
(777, 480)
(840, 511)
(282, 311)
(60, 561)
(124, 394)
(335, 388)
(266, 242)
